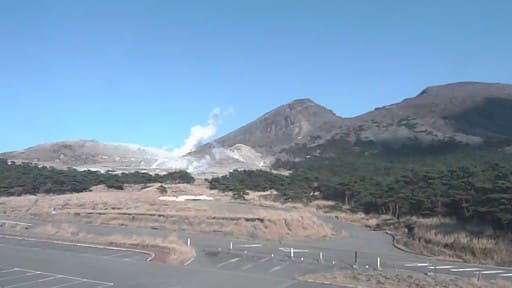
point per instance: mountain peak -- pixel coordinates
(285, 125)
(302, 101)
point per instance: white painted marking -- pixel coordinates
(8, 270)
(18, 276)
(32, 282)
(117, 254)
(506, 275)
(294, 250)
(189, 261)
(247, 266)
(67, 284)
(227, 262)
(491, 272)
(277, 268)
(15, 222)
(441, 267)
(151, 255)
(418, 264)
(250, 245)
(466, 269)
(32, 272)
(264, 259)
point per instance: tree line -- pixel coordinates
(25, 178)
(446, 180)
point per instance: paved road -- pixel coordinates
(221, 261)
(27, 264)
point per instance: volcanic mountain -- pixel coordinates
(466, 112)
(300, 121)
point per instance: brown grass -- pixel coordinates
(448, 238)
(383, 280)
(179, 253)
(138, 207)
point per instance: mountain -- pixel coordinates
(89, 153)
(465, 112)
(300, 121)
(95, 155)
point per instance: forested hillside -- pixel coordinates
(19, 179)
(446, 179)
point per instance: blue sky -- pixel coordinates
(145, 72)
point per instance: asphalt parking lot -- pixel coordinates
(27, 264)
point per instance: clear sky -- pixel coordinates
(146, 71)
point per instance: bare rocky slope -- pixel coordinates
(300, 121)
(94, 155)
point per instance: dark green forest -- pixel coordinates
(447, 179)
(20, 179)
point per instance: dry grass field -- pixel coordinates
(448, 238)
(383, 280)
(139, 207)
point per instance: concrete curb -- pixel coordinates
(150, 254)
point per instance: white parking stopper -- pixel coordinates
(291, 253)
(188, 242)
(231, 245)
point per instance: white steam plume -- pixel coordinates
(199, 134)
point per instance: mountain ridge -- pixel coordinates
(474, 113)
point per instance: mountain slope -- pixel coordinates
(299, 121)
(89, 153)
(467, 112)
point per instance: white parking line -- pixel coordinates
(465, 269)
(32, 272)
(277, 267)
(18, 276)
(417, 264)
(32, 282)
(247, 266)
(8, 270)
(506, 275)
(250, 245)
(189, 261)
(264, 259)
(67, 284)
(491, 272)
(227, 262)
(441, 267)
(15, 222)
(294, 250)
